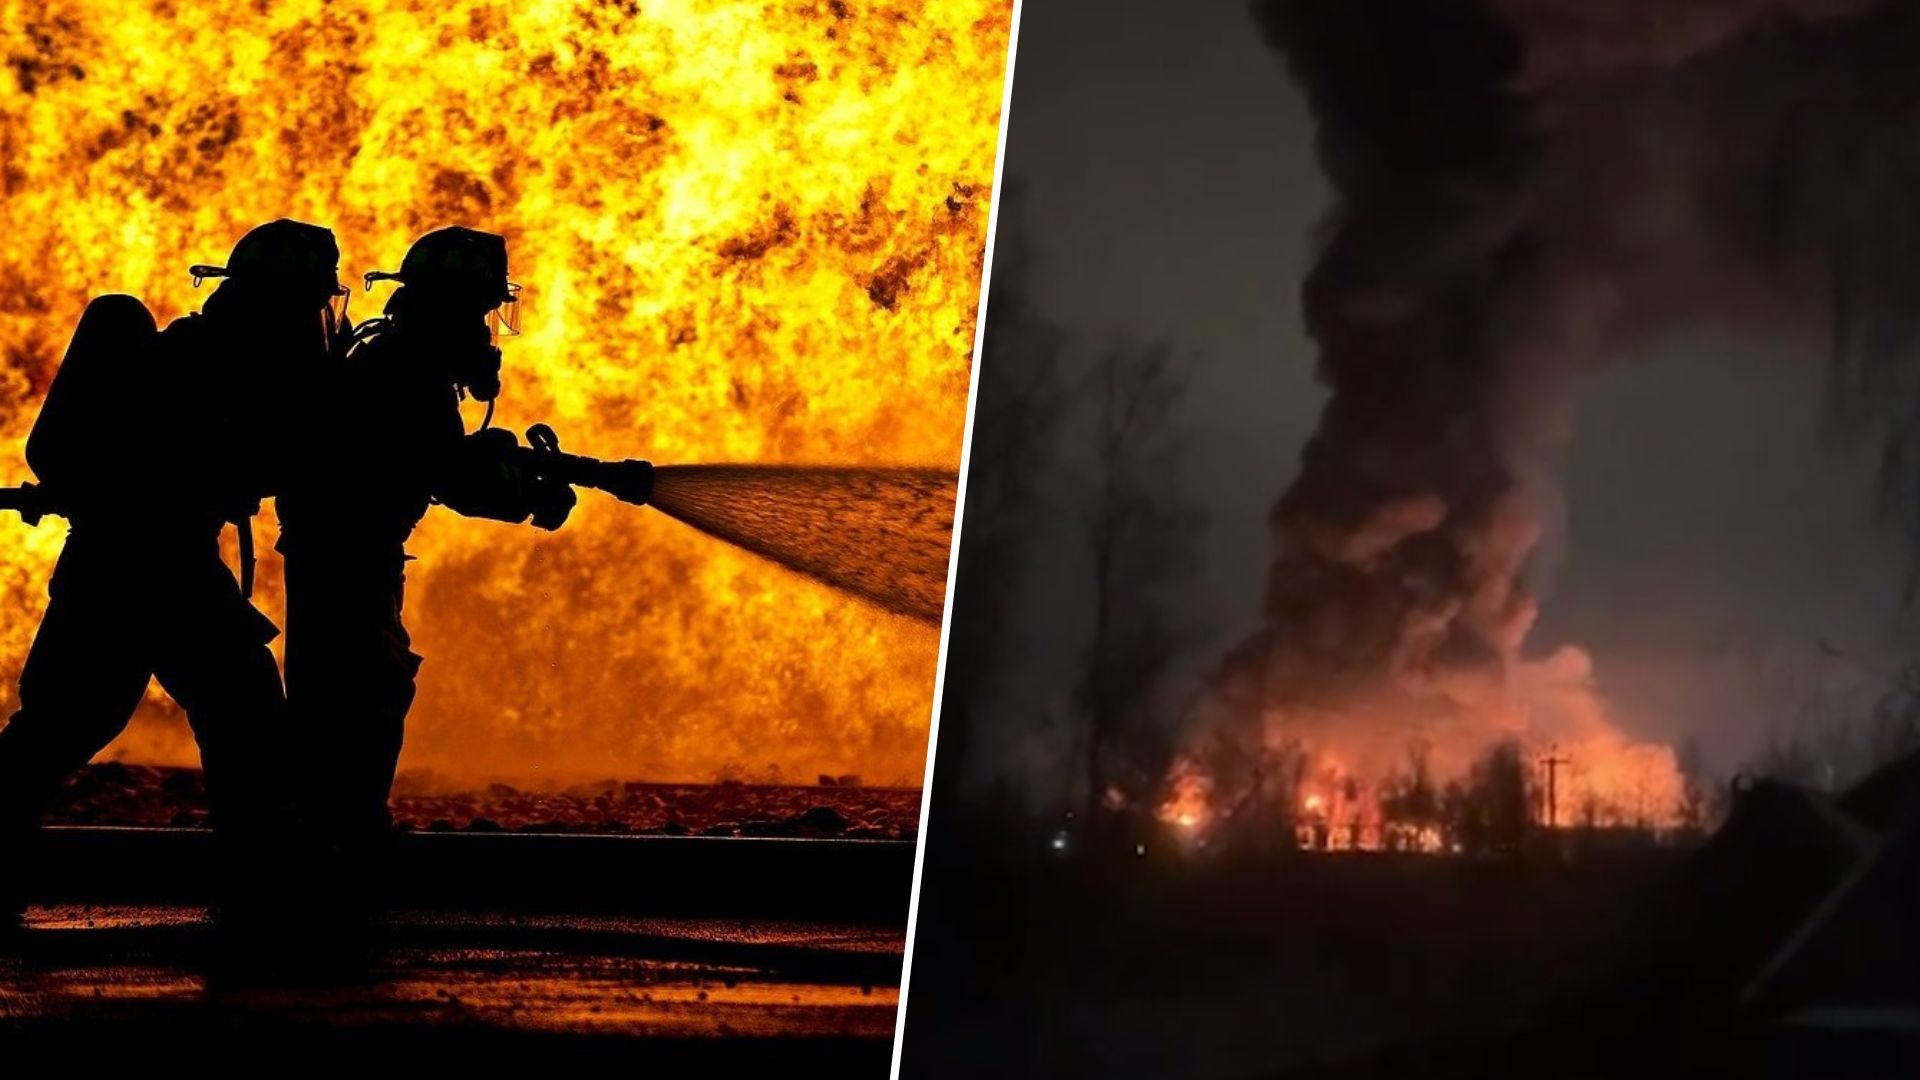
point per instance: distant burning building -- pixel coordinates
(1523, 187)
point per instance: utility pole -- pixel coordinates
(1553, 763)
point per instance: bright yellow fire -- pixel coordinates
(747, 232)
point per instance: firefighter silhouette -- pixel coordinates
(346, 517)
(149, 441)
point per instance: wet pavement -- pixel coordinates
(100, 978)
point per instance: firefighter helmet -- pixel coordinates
(462, 265)
(284, 253)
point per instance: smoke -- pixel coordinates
(1569, 39)
(1525, 188)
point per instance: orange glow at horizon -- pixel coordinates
(1353, 795)
(747, 232)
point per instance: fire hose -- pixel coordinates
(879, 533)
(630, 481)
(30, 501)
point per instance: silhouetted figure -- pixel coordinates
(149, 442)
(346, 516)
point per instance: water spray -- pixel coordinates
(881, 534)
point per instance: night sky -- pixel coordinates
(1713, 533)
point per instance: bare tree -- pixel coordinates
(1410, 804)
(1835, 736)
(1694, 785)
(1894, 727)
(1495, 803)
(1016, 413)
(1139, 533)
(1875, 388)
(1258, 787)
(1789, 760)
(1890, 729)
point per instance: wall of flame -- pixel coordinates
(746, 231)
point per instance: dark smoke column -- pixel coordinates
(1521, 185)
(1445, 328)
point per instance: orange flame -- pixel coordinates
(1352, 775)
(1189, 796)
(747, 231)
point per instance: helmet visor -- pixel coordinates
(505, 318)
(337, 304)
(333, 318)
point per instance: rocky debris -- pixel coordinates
(113, 793)
(823, 819)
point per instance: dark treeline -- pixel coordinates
(1074, 514)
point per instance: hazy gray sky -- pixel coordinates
(1711, 536)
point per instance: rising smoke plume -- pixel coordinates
(1526, 188)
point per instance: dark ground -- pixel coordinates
(1784, 945)
(1580, 957)
(592, 925)
(143, 983)
(1167, 967)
